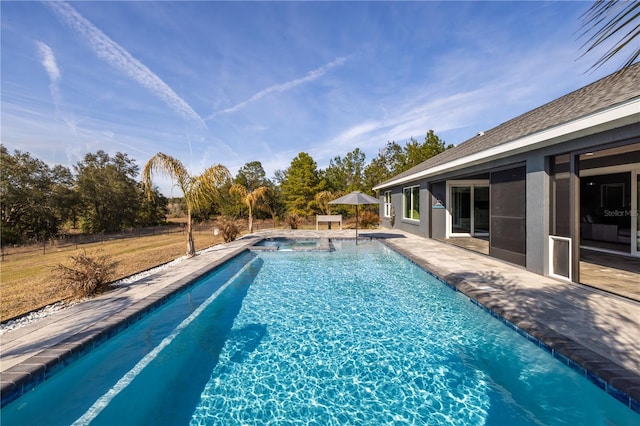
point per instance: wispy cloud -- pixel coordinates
(279, 88)
(358, 131)
(456, 105)
(48, 61)
(441, 112)
(116, 56)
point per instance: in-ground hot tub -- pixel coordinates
(292, 244)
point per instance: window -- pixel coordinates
(387, 204)
(412, 202)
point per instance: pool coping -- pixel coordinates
(24, 376)
(614, 379)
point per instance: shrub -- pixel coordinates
(294, 221)
(230, 230)
(87, 275)
(369, 219)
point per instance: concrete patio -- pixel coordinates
(594, 332)
(613, 273)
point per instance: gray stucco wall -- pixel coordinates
(538, 204)
(438, 210)
(397, 199)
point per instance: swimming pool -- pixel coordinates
(357, 335)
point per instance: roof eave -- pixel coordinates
(610, 118)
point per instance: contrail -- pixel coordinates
(311, 76)
(48, 61)
(116, 56)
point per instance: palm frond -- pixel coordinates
(204, 187)
(248, 198)
(237, 189)
(322, 199)
(258, 193)
(606, 20)
(167, 165)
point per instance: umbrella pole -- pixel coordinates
(356, 224)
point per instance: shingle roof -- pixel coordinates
(614, 89)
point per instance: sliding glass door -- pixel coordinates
(461, 210)
(468, 212)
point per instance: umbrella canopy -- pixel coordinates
(356, 198)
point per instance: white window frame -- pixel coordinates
(472, 184)
(413, 202)
(387, 204)
(552, 273)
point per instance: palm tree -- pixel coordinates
(606, 20)
(322, 201)
(249, 199)
(198, 190)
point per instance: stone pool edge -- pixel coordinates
(24, 376)
(614, 379)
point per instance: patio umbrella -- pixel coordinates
(355, 198)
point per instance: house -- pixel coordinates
(539, 188)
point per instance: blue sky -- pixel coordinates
(234, 82)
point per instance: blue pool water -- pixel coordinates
(357, 335)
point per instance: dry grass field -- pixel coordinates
(27, 281)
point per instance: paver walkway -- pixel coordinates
(596, 331)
